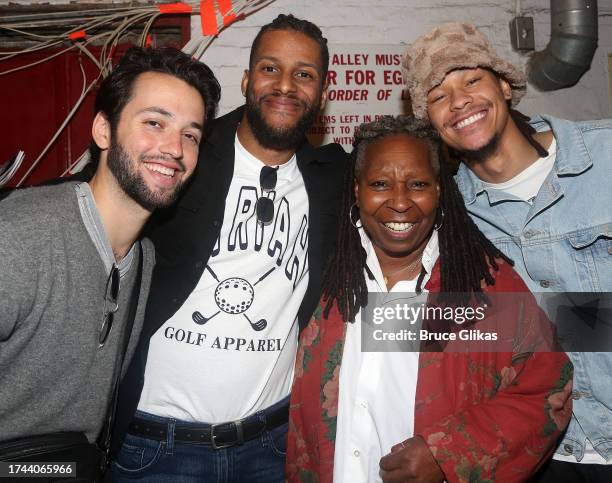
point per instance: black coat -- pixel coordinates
(184, 239)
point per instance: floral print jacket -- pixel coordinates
(485, 416)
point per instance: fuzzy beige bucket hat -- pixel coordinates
(449, 47)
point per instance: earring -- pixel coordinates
(354, 223)
(439, 220)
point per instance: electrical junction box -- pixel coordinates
(521, 33)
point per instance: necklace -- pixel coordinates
(410, 267)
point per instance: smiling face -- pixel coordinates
(153, 149)
(470, 110)
(284, 88)
(397, 193)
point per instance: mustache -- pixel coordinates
(290, 96)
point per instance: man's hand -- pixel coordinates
(410, 461)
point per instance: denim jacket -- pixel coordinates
(563, 243)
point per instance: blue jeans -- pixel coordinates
(261, 459)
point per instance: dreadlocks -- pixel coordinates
(466, 255)
(527, 130)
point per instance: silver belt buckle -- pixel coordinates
(239, 435)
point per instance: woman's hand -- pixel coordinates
(410, 461)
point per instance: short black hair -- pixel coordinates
(116, 90)
(289, 22)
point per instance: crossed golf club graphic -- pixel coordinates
(234, 296)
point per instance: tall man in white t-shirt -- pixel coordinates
(240, 264)
(539, 189)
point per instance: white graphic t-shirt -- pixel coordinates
(229, 350)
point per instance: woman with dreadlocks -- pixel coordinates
(410, 416)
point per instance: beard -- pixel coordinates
(276, 138)
(123, 168)
(481, 154)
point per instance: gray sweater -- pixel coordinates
(53, 375)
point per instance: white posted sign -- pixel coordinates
(365, 82)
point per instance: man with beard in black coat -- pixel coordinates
(239, 272)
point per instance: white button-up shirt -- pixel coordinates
(376, 389)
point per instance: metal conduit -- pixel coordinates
(573, 41)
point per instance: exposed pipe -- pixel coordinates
(573, 41)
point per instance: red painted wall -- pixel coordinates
(36, 100)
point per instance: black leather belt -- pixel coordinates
(222, 435)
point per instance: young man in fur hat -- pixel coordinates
(539, 189)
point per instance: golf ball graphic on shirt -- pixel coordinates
(234, 295)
